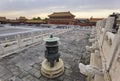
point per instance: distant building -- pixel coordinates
(22, 19)
(14, 22)
(82, 22)
(35, 22)
(64, 18)
(19, 21)
(94, 20)
(61, 18)
(3, 20)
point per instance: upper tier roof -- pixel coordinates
(61, 14)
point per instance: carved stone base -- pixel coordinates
(52, 72)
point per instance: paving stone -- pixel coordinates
(27, 68)
(43, 79)
(15, 68)
(37, 74)
(67, 66)
(23, 74)
(35, 79)
(24, 66)
(3, 71)
(38, 59)
(30, 62)
(15, 71)
(33, 71)
(6, 76)
(61, 78)
(50, 80)
(68, 72)
(68, 79)
(10, 66)
(18, 79)
(12, 78)
(37, 66)
(28, 78)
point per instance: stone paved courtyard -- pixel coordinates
(25, 65)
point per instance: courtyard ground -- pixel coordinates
(25, 65)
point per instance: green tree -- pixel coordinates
(38, 18)
(34, 18)
(45, 19)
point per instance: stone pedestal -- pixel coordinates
(52, 72)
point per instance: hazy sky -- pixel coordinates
(42, 8)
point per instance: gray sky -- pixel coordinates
(42, 8)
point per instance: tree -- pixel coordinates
(46, 19)
(36, 18)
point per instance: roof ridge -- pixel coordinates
(62, 12)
